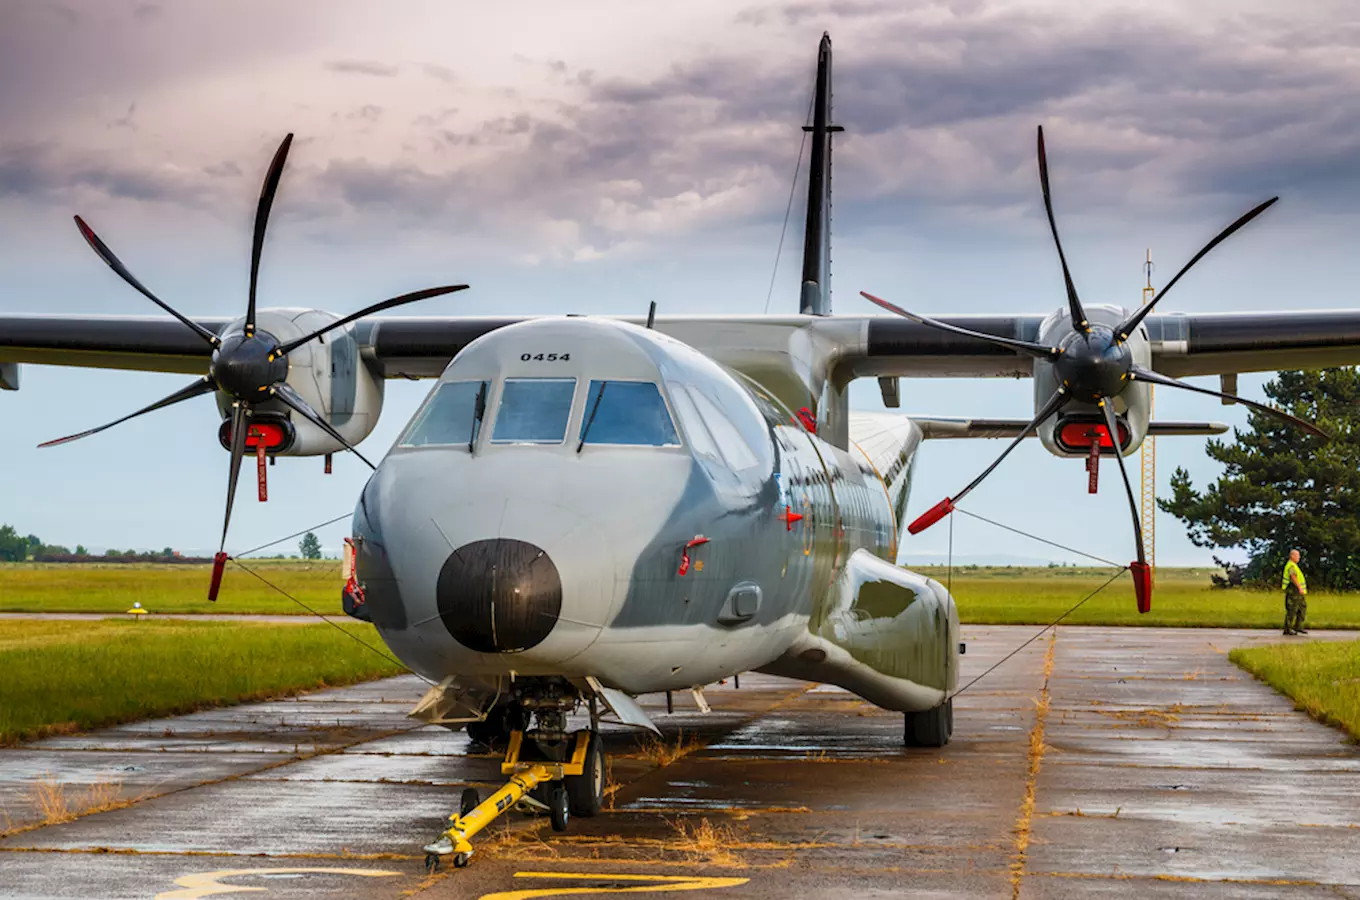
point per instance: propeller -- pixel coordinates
(1093, 364)
(249, 366)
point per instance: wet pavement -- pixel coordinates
(1095, 762)
(254, 618)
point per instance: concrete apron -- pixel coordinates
(1094, 762)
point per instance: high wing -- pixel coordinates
(1182, 344)
(865, 346)
(948, 427)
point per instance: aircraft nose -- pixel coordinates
(499, 595)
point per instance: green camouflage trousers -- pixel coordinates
(1295, 608)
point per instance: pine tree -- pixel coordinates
(310, 546)
(13, 547)
(1284, 489)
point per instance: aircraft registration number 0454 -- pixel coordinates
(545, 357)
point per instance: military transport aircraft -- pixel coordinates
(590, 508)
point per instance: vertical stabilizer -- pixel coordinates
(815, 299)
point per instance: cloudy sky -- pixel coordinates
(593, 157)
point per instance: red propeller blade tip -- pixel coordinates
(931, 516)
(1142, 585)
(219, 564)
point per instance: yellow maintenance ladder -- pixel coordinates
(524, 777)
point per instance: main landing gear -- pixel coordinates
(549, 769)
(931, 728)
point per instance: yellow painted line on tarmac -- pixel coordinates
(206, 884)
(659, 883)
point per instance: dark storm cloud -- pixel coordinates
(440, 73)
(54, 59)
(363, 67)
(227, 169)
(939, 100)
(42, 171)
(369, 113)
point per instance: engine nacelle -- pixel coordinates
(1070, 433)
(329, 374)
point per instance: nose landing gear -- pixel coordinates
(569, 786)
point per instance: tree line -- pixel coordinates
(15, 547)
(1283, 489)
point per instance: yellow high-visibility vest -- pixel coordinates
(1293, 567)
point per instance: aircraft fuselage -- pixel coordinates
(583, 498)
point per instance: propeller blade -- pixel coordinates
(240, 424)
(1127, 327)
(1073, 304)
(1112, 425)
(1059, 399)
(292, 398)
(202, 386)
(369, 310)
(113, 262)
(271, 186)
(1141, 571)
(1038, 351)
(1138, 373)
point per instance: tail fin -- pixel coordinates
(816, 291)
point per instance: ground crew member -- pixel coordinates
(1295, 595)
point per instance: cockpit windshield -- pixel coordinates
(627, 412)
(534, 411)
(449, 417)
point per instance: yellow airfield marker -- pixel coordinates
(137, 610)
(206, 884)
(649, 884)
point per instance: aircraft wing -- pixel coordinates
(403, 347)
(1182, 345)
(420, 347)
(938, 427)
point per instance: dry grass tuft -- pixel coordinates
(611, 784)
(661, 753)
(1148, 718)
(52, 802)
(707, 843)
(1024, 822)
(516, 843)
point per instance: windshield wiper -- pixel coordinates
(479, 410)
(591, 421)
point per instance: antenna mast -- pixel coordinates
(816, 291)
(1147, 507)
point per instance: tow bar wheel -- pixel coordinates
(557, 806)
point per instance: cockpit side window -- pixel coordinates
(700, 441)
(733, 446)
(449, 416)
(534, 411)
(627, 412)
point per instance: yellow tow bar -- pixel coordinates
(524, 777)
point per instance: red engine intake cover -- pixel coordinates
(1075, 435)
(273, 431)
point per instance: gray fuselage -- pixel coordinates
(728, 537)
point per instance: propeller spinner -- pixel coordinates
(1093, 364)
(249, 366)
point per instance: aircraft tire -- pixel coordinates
(585, 792)
(558, 808)
(931, 728)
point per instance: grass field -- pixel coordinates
(986, 596)
(62, 676)
(1181, 597)
(114, 587)
(1321, 677)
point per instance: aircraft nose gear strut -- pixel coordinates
(585, 769)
